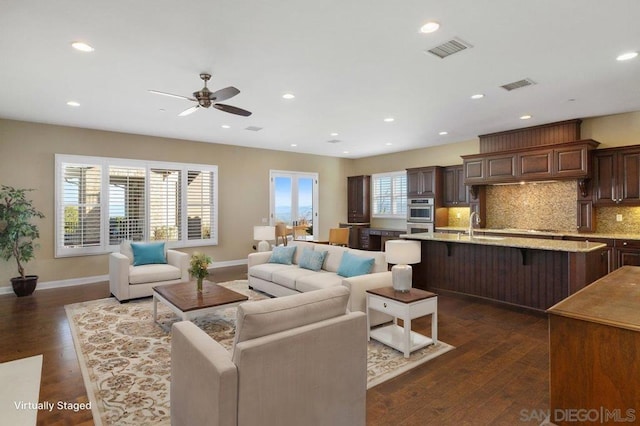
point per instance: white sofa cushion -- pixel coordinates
(153, 273)
(266, 270)
(318, 281)
(288, 277)
(333, 258)
(264, 317)
(301, 245)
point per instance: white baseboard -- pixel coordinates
(46, 285)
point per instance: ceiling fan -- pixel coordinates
(206, 98)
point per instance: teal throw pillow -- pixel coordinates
(282, 254)
(311, 259)
(352, 265)
(148, 253)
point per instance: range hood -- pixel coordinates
(540, 153)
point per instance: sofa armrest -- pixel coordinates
(258, 258)
(119, 276)
(204, 380)
(180, 260)
(359, 285)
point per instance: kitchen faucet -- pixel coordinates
(474, 219)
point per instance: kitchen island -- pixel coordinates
(529, 272)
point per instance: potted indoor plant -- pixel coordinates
(17, 235)
(199, 264)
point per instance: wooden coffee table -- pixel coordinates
(185, 301)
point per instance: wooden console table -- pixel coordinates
(594, 345)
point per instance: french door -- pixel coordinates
(294, 198)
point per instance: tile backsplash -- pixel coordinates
(606, 222)
(541, 205)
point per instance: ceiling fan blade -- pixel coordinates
(222, 94)
(172, 95)
(232, 109)
(189, 111)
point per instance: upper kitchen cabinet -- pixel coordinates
(359, 199)
(424, 181)
(455, 192)
(617, 176)
(568, 160)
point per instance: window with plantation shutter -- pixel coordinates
(79, 206)
(126, 204)
(389, 195)
(102, 201)
(199, 204)
(165, 216)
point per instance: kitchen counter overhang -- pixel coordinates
(515, 242)
(529, 272)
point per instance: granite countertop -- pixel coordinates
(542, 233)
(516, 242)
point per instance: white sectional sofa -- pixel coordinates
(279, 279)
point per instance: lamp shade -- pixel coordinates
(402, 252)
(262, 233)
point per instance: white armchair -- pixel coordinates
(129, 282)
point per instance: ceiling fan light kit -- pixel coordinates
(206, 98)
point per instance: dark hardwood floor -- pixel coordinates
(497, 374)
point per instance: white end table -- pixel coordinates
(405, 306)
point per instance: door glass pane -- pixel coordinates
(305, 200)
(283, 196)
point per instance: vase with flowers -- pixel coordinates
(199, 264)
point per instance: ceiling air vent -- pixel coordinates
(449, 48)
(518, 84)
(253, 128)
(334, 141)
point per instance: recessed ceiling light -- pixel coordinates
(294, 144)
(83, 47)
(225, 126)
(429, 27)
(345, 152)
(334, 134)
(627, 56)
(73, 104)
(477, 96)
(389, 119)
(443, 133)
(525, 117)
(288, 96)
(388, 144)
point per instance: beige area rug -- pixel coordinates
(20, 391)
(125, 356)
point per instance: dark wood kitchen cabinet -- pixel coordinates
(627, 253)
(358, 199)
(569, 160)
(423, 181)
(617, 176)
(455, 192)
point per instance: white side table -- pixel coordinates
(405, 306)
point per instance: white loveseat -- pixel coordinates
(282, 280)
(130, 282)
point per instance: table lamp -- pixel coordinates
(402, 253)
(264, 234)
